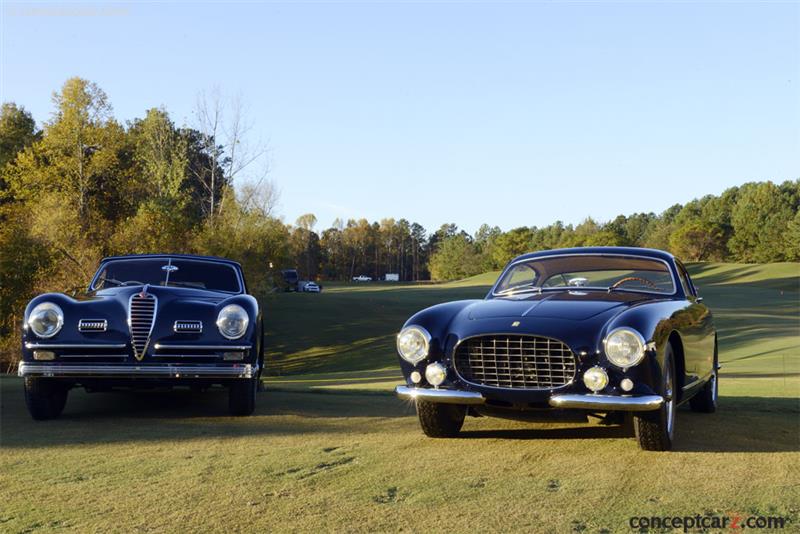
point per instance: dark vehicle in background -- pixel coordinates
(609, 331)
(291, 279)
(145, 321)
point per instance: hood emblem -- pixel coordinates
(515, 324)
(143, 294)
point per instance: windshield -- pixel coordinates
(211, 275)
(587, 271)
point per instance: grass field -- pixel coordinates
(330, 450)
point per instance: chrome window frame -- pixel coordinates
(670, 269)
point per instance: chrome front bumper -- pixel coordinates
(610, 403)
(137, 371)
(442, 396)
(613, 403)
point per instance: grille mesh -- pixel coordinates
(141, 318)
(515, 362)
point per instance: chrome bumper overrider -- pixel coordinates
(136, 371)
(444, 396)
(607, 402)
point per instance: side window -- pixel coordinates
(686, 282)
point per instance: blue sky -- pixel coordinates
(516, 113)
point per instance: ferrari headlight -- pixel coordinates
(232, 321)
(46, 319)
(413, 343)
(624, 347)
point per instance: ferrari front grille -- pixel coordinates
(515, 362)
(141, 317)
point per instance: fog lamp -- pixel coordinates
(416, 377)
(435, 374)
(595, 378)
(44, 355)
(626, 384)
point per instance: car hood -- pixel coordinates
(564, 305)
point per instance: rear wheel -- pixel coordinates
(440, 420)
(45, 398)
(242, 396)
(706, 400)
(654, 430)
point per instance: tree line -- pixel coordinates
(83, 186)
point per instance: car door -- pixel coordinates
(698, 332)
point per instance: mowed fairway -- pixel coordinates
(331, 450)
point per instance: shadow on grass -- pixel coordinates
(178, 415)
(742, 424)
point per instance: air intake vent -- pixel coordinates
(515, 362)
(141, 317)
(92, 325)
(188, 327)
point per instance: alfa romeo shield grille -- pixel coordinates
(515, 362)
(141, 317)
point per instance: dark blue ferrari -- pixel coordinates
(619, 333)
(145, 321)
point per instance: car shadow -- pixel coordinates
(741, 424)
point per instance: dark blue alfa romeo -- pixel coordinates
(145, 321)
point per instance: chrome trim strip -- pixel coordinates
(442, 396)
(675, 286)
(167, 346)
(29, 345)
(185, 356)
(133, 371)
(60, 356)
(641, 403)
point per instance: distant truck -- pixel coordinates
(392, 277)
(290, 279)
(362, 278)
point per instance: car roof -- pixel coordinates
(629, 251)
(181, 256)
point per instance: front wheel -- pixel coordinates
(440, 420)
(44, 398)
(654, 430)
(242, 396)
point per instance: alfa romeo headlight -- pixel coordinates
(624, 347)
(413, 344)
(46, 319)
(232, 321)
